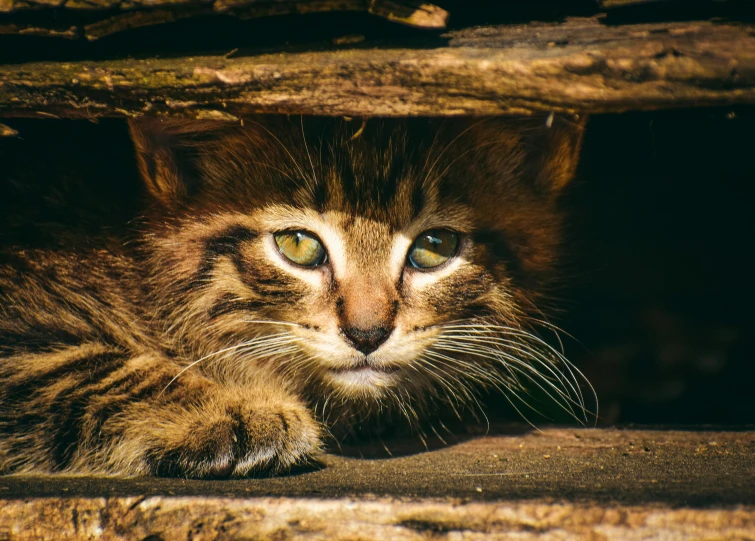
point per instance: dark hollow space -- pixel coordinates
(658, 285)
(662, 279)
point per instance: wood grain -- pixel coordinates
(577, 66)
(119, 15)
(551, 485)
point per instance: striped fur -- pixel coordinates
(187, 346)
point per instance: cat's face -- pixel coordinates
(365, 263)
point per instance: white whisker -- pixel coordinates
(271, 322)
(518, 352)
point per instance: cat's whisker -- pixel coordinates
(493, 380)
(272, 322)
(453, 391)
(473, 372)
(284, 147)
(421, 378)
(512, 390)
(455, 346)
(309, 156)
(543, 321)
(478, 373)
(492, 329)
(271, 342)
(536, 355)
(401, 405)
(437, 435)
(245, 347)
(478, 338)
(571, 368)
(435, 371)
(531, 355)
(325, 405)
(242, 370)
(565, 401)
(196, 363)
(267, 352)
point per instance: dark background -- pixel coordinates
(658, 284)
(662, 294)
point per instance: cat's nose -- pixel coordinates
(366, 340)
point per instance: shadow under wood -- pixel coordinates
(388, 446)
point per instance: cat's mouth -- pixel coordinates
(363, 376)
(364, 366)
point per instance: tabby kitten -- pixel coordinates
(287, 276)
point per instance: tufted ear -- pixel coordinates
(556, 144)
(166, 153)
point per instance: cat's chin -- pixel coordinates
(362, 381)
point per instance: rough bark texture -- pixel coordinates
(578, 66)
(555, 484)
(119, 15)
(394, 519)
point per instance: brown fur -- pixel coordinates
(194, 349)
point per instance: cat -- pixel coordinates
(287, 277)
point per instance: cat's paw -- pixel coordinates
(237, 433)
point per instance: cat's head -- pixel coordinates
(367, 263)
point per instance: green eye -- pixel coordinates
(433, 248)
(301, 248)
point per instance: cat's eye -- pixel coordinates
(301, 248)
(433, 248)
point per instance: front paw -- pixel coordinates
(236, 433)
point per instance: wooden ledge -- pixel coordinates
(120, 15)
(578, 66)
(555, 484)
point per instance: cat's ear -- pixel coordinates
(166, 155)
(556, 143)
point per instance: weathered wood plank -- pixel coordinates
(555, 484)
(419, 15)
(33, 29)
(606, 466)
(269, 6)
(578, 66)
(126, 14)
(163, 518)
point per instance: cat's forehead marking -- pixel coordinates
(376, 176)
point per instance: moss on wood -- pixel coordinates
(578, 66)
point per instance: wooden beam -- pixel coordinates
(119, 15)
(578, 66)
(554, 484)
(376, 519)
